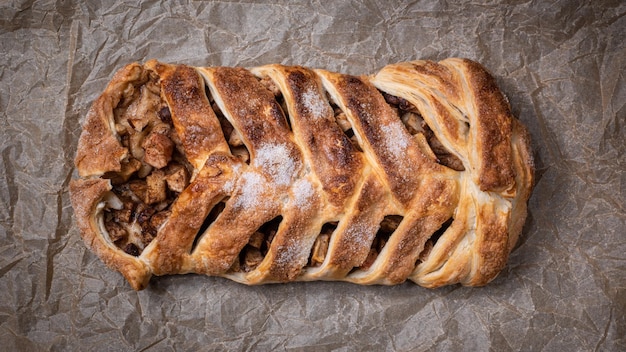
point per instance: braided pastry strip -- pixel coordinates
(182, 168)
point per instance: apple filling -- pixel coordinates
(152, 175)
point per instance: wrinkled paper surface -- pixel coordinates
(561, 63)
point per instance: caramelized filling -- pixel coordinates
(415, 124)
(342, 120)
(268, 83)
(320, 247)
(430, 243)
(258, 245)
(232, 136)
(152, 175)
(387, 227)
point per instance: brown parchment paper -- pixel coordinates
(561, 63)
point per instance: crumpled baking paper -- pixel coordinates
(561, 63)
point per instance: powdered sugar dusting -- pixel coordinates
(275, 160)
(228, 186)
(395, 138)
(302, 193)
(314, 103)
(358, 236)
(252, 187)
(290, 253)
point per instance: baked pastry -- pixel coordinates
(285, 173)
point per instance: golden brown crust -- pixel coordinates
(493, 129)
(86, 196)
(351, 242)
(99, 150)
(394, 155)
(524, 180)
(193, 118)
(417, 172)
(169, 253)
(333, 157)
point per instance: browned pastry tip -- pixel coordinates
(286, 173)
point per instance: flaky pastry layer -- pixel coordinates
(286, 173)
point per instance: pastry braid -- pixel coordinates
(285, 173)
